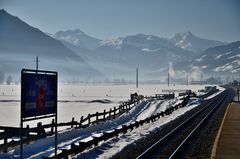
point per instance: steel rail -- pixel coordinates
(146, 153)
(178, 149)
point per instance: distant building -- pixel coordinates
(198, 82)
(235, 83)
(212, 80)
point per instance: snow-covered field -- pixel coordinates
(77, 100)
(83, 94)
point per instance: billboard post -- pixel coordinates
(38, 98)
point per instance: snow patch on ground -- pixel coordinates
(226, 67)
(117, 42)
(235, 70)
(115, 145)
(218, 57)
(148, 50)
(235, 56)
(45, 146)
(204, 67)
(201, 58)
(227, 53)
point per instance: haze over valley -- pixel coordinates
(79, 57)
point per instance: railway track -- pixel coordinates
(173, 144)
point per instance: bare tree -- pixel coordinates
(9, 80)
(1, 77)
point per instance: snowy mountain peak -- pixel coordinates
(138, 41)
(5, 15)
(150, 42)
(77, 38)
(73, 32)
(142, 37)
(189, 41)
(2, 11)
(222, 60)
(189, 33)
(78, 31)
(115, 42)
(183, 37)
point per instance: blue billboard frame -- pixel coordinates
(38, 94)
(38, 98)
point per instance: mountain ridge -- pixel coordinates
(161, 53)
(21, 43)
(116, 58)
(185, 40)
(24, 34)
(78, 38)
(189, 41)
(222, 61)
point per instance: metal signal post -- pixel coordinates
(37, 60)
(238, 93)
(137, 77)
(168, 79)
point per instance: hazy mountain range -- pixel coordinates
(181, 54)
(190, 42)
(221, 59)
(186, 41)
(79, 56)
(78, 38)
(20, 43)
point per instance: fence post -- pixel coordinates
(96, 117)
(72, 122)
(5, 140)
(110, 113)
(114, 112)
(120, 110)
(27, 131)
(52, 126)
(89, 119)
(104, 114)
(80, 122)
(40, 129)
(128, 108)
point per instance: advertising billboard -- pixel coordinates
(38, 93)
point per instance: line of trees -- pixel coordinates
(8, 80)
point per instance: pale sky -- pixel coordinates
(212, 19)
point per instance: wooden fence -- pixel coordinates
(34, 133)
(31, 134)
(78, 147)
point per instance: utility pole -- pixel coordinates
(187, 80)
(168, 78)
(137, 77)
(238, 92)
(37, 62)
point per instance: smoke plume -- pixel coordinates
(171, 70)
